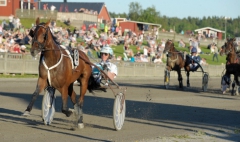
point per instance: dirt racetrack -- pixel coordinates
(152, 114)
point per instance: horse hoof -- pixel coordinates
(67, 113)
(80, 125)
(26, 114)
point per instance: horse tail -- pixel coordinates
(83, 56)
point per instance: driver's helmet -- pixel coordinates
(194, 50)
(107, 49)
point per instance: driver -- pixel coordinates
(110, 69)
(194, 59)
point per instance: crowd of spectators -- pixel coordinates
(13, 36)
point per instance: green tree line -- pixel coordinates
(151, 15)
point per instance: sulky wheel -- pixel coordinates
(48, 105)
(205, 82)
(119, 111)
(166, 78)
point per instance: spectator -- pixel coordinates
(157, 59)
(53, 8)
(23, 49)
(45, 6)
(143, 58)
(18, 23)
(11, 26)
(2, 48)
(120, 31)
(106, 28)
(215, 54)
(203, 62)
(16, 48)
(67, 22)
(181, 43)
(156, 33)
(145, 51)
(127, 50)
(1, 39)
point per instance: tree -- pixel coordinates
(150, 15)
(135, 10)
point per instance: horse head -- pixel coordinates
(39, 36)
(230, 46)
(169, 45)
(223, 50)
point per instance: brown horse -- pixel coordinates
(176, 61)
(56, 70)
(230, 49)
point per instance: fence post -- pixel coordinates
(5, 63)
(24, 66)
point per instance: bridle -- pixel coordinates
(171, 44)
(230, 48)
(45, 36)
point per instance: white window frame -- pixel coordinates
(3, 4)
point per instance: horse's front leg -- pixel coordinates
(237, 84)
(180, 78)
(188, 82)
(79, 106)
(42, 83)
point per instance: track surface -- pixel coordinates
(152, 114)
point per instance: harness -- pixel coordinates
(41, 46)
(172, 61)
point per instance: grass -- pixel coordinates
(118, 50)
(18, 76)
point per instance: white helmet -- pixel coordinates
(107, 49)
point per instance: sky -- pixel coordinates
(175, 8)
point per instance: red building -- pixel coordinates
(98, 8)
(137, 26)
(8, 7)
(210, 32)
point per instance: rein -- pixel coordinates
(172, 61)
(105, 75)
(42, 49)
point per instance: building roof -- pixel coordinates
(209, 28)
(95, 6)
(143, 23)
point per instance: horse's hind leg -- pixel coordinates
(237, 84)
(65, 109)
(40, 86)
(233, 85)
(180, 79)
(237, 92)
(188, 83)
(72, 95)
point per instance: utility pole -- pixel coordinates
(226, 18)
(39, 4)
